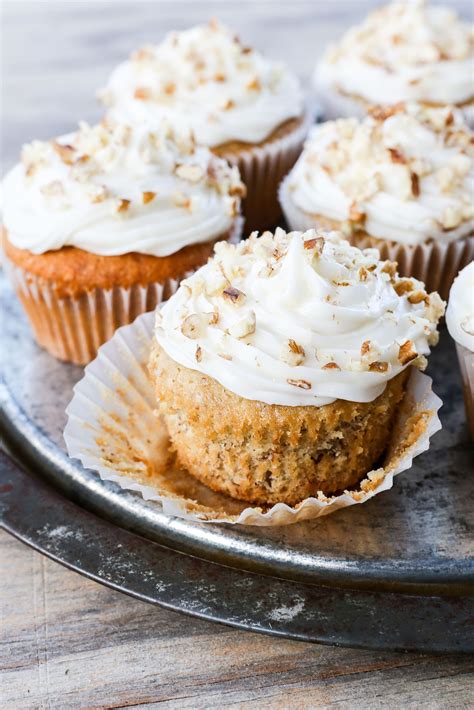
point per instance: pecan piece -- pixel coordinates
(407, 353)
(302, 384)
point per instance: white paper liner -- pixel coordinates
(73, 328)
(262, 167)
(113, 429)
(434, 263)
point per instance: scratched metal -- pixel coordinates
(37, 514)
(416, 537)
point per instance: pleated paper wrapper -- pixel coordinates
(72, 328)
(436, 264)
(262, 168)
(113, 429)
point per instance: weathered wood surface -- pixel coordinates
(67, 642)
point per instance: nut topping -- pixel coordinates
(233, 295)
(331, 366)
(302, 384)
(378, 366)
(148, 196)
(66, 152)
(407, 353)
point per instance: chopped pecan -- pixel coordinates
(378, 366)
(233, 294)
(407, 353)
(331, 366)
(415, 184)
(148, 196)
(302, 384)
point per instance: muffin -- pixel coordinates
(100, 226)
(405, 51)
(279, 367)
(460, 322)
(247, 109)
(400, 179)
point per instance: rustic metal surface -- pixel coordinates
(417, 537)
(37, 514)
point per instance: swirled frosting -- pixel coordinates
(299, 319)
(460, 311)
(405, 174)
(111, 189)
(405, 51)
(204, 77)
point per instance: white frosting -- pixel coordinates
(114, 190)
(296, 319)
(460, 311)
(204, 77)
(406, 174)
(405, 51)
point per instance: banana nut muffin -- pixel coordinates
(248, 109)
(280, 365)
(404, 51)
(400, 179)
(100, 226)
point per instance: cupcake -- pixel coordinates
(400, 179)
(405, 51)
(279, 366)
(247, 109)
(460, 322)
(101, 225)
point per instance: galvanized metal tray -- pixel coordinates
(397, 572)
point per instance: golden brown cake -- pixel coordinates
(279, 366)
(100, 227)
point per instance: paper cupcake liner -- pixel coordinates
(434, 263)
(73, 328)
(262, 168)
(466, 365)
(113, 429)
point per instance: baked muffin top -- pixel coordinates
(404, 173)
(405, 51)
(205, 78)
(112, 189)
(460, 311)
(299, 319)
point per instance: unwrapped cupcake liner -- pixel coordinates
(262, 168)
(72, 328)
(466, 365)
(434, 263)
(113, 429)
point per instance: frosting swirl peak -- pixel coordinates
(299, 319)
(204, 77)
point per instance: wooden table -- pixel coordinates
(67, 642)
(70, 643)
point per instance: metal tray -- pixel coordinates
(397, 572)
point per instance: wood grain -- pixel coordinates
(67, 642)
